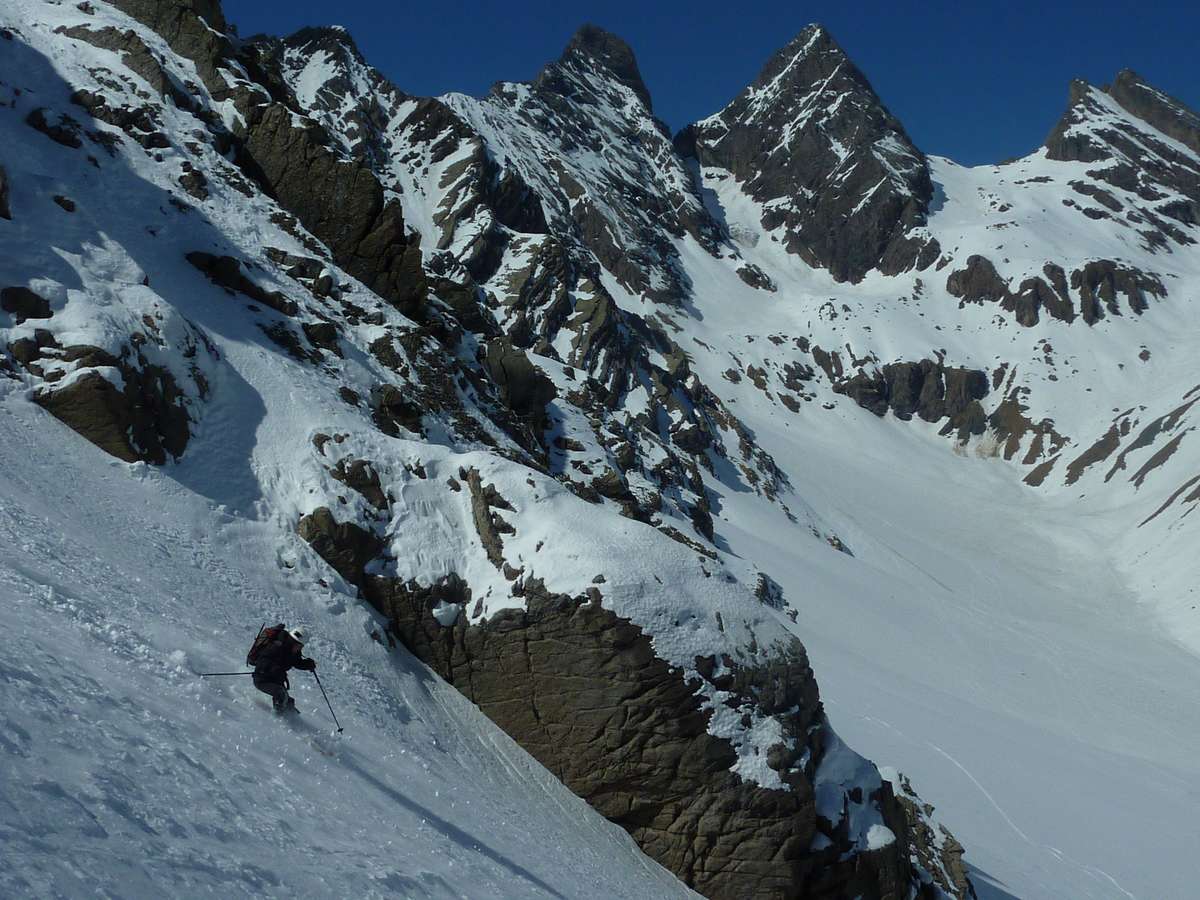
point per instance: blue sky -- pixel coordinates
(976, 82)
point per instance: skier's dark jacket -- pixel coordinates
(282, 654)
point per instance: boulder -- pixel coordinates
(360, 475)
(524, 387)
(23, 304)
(344, 545)
(145, 421)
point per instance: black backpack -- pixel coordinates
(266, 637)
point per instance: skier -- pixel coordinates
(275, 651)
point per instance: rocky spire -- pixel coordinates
(594, 43)
(1133, 134)
(839, 178)
(1159, 110)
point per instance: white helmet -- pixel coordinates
(297, 635)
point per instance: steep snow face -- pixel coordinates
(838, 180)
(855, 451)
(1014, 643)
(312, 395)
(284, 404)
(126, 774)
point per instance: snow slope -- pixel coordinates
(1028, 655)
(127, 775)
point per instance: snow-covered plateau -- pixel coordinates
(584, 453)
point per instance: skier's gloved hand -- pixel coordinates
(307, 665)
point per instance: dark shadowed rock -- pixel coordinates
(393, 410)
(360, 475)
(613, 54)
(226, 271)
(523, 386)
(64, 130)
(1168, 115)
(1103, 281)
(1108, 128)
(136, 56)
(22, 304)
(144, 421)
(979, 282)
(5, 210)
(340, 201)
(194, 29)
(926, 388)
(344, 545)
(845, 185)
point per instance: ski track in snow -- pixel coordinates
(1027, 657)
(126, 775)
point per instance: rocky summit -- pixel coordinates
(668, 510)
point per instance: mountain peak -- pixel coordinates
(811, 141)
(334, 38)
(1159, 110)
(611, 52)
(1086, 125)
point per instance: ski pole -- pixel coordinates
(327, 703)
(212, 674)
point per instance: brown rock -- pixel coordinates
(344, 545)
(146, 421)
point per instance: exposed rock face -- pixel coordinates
(361, 475)
(227, 272)
(1155, 187)
(935, 848)
(613, 54)
(842, 182)
(584, 693)
(523, 386)
(341, 202)
(980, 283)
(195, 29)
(143, 421)
(139, 58)
(344, 545)
(62, 130)
(926, 388)
(1152, 106)
(1103, 281)
(574, 125)
(1099, 285)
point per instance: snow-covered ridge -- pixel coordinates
(665, 409)
(313, 394)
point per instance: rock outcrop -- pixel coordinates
(135, 413)
(928, 389)
(1153, 185)
(838, 177)
(584, 693)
